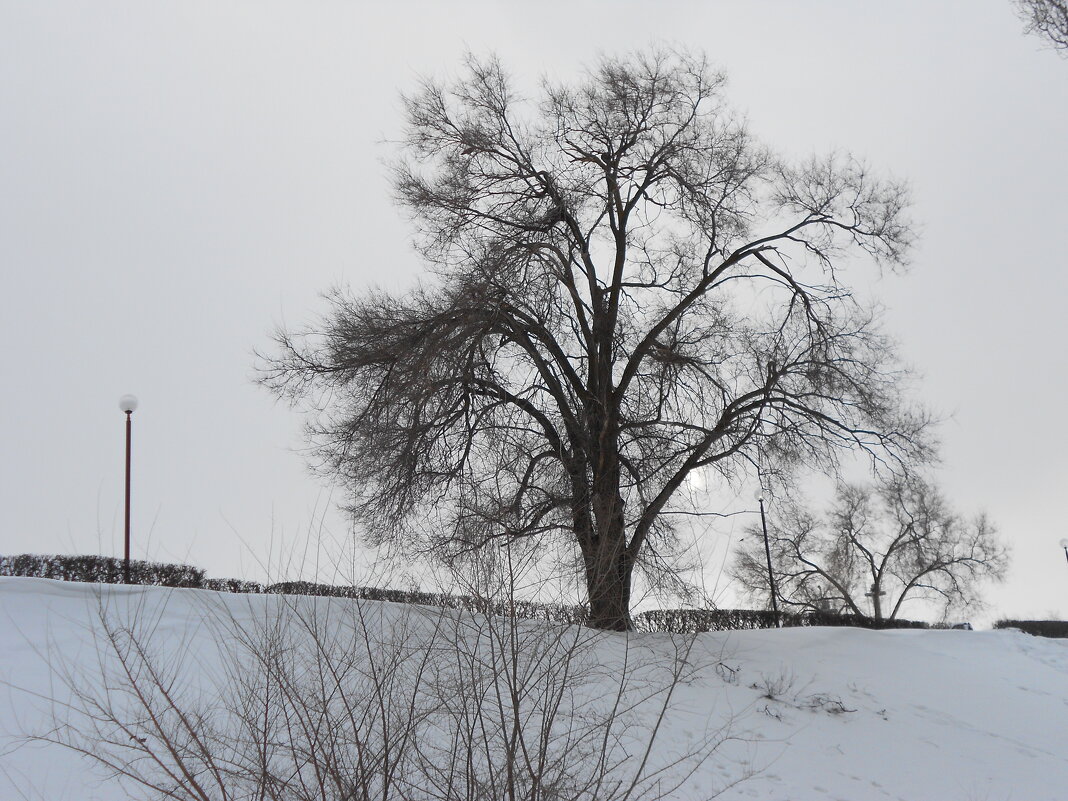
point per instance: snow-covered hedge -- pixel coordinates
(690, 621)
(99, 569)
(558, 613)
(108, 570)
(1039, 628)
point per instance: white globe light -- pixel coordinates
(128, 403)
(759, 494)
(1064, 542)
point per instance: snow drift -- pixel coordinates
(793, 714)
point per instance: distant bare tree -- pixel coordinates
(1047, 18)
(626, 289)
(891, 543)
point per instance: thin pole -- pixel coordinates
(771, 573)
(126, 557)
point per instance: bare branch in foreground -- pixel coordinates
(302, 698)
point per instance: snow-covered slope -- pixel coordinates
(817, 713)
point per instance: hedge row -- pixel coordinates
(1039, 628)
(693, 621)
(558, 613)
(108, 570)
(100, 569)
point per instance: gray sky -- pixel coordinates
(177, 178)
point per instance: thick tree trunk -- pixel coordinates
(609, 566)
(609, 593)
(608, 563)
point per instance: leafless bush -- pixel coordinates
(777, 687)
(349, 700)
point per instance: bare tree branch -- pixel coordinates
(1048, 19)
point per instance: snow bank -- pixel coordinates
(816, 713)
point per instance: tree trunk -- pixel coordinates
(609, 567)
(876, 601)
(608, 584)
(608, 564)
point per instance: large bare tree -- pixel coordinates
(625, 288)
(876, 548)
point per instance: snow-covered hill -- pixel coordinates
(814, 713)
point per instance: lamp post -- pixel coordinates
(127, 403)
(759, 495)
(1064, 544)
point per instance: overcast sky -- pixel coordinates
(178, 178)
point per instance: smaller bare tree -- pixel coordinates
(893, 542)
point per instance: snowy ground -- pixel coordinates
(855, 715)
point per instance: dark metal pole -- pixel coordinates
(771, 573)
(126, 557)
